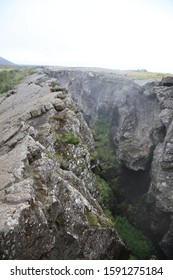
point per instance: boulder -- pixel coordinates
(167, 81)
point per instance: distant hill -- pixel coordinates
(4, 61)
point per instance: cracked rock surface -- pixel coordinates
(141, 129)
(46, 180)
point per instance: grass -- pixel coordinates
(142, 75)
(103, 143)
(54, 83)
(12, 75)
(96, 221)
(61, 118)
(92, 219)
(139, 245)
(7, 79)
(68, 138)
(104, 192)
(131, 208)
(49, 154)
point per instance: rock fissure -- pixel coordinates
(55, 173)
(140, 128)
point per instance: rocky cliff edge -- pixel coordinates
(46, 207)
(141, 129)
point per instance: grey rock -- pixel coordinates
(60, 95)
(46, 187)
(58, 104)
(36, 112)
(58, 88)
(166, 116)
(43, 109)
(48, 106)
(11, 92)
(167, 81)
(141, 129)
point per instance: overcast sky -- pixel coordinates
(118, 34)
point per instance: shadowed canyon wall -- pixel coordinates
(141, 130)
(59, 130)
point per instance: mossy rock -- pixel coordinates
(103, 145)
(68, 138)
(139, 245)
(96, 221)
(60, 117)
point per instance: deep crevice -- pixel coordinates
(134, 183)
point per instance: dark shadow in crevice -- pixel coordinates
(134, 183)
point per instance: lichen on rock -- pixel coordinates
(140, 129)
(47, 184)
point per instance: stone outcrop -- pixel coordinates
(141, 125)
(47, 210)
(47, 187)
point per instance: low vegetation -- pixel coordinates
(12, 75)
(54, 83)
(92, 219)
(131, 208)
(103, 144)
(142, 75)
(104, 192)
(140, 246)
(68, 138)
(60, 117)
(96, 221)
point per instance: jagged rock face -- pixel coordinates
(141, 130)
(46, 207)
(131, 110)
(161, 191)
(95, 92)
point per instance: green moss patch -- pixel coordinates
(139, 245)
(68, 138)
(96, 221)
(104, 192)
(103, 143)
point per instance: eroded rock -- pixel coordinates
(140, 119)
(46, 207)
